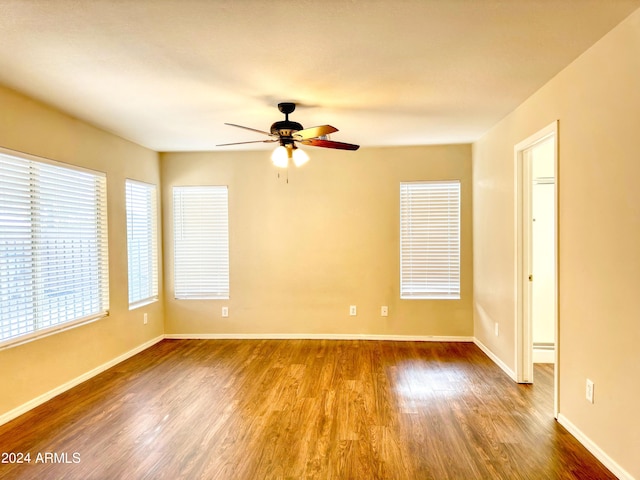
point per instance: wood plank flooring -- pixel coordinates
(302, 409)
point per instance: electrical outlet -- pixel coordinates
(145, 319)
(496, 329)
(589, 392)
(225, 311)
(384, 311)
(353, 310)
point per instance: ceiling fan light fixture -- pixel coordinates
(300, 157)
(280, 157)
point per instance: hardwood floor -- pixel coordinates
(302, 409)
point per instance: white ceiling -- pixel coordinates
(167, 73)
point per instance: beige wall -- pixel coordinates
(597, 102)
(33, 369)
(302, 252)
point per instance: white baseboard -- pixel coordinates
(315, 336)
(16, 412)
(495, 359)
(544, 355)
(597, 452)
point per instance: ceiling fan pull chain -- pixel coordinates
(286, 178)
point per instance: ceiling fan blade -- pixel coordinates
(252, 129)
(241, 143)
(316, 142)
(314, 132)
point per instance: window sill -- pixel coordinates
(142, 303)
(17, 341)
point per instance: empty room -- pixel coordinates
(329, 240)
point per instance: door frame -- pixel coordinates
(523, 221)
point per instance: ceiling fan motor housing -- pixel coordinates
(285, 130)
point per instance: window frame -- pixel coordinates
(423, 275)
(145, 196)
(45, 221)
(201, 273)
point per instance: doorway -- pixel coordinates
(536, 272)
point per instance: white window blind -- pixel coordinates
(53, 247)
(142, 242)
(201, 242)
(430, 240)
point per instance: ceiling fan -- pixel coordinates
(288, 133)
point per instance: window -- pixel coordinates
(142, 242)
(53, 247)
(201, 242)
(430, 240)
